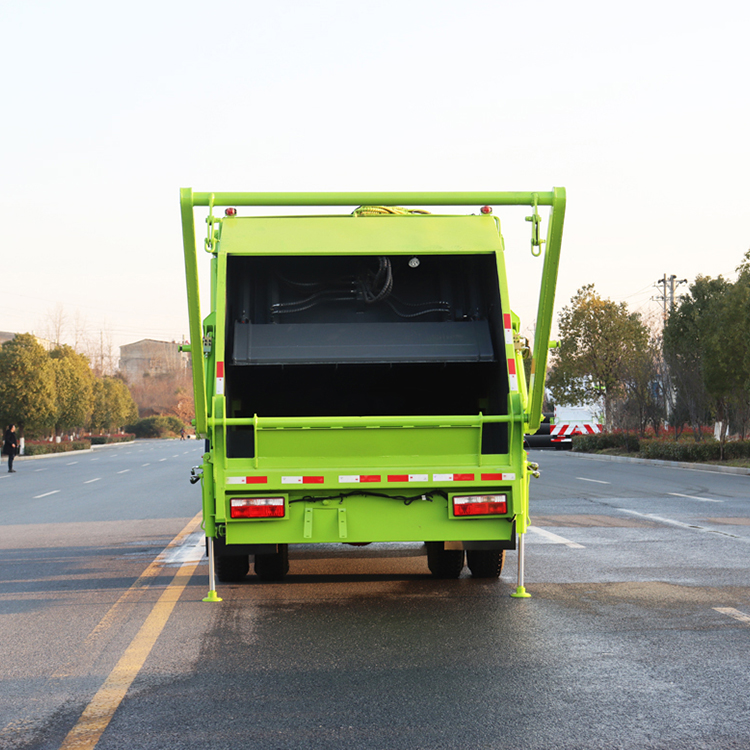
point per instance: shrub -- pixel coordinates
(42, 447)
(123, 437)
(156, 427)
(625, 441)
(686, 451)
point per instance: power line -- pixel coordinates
(668, 284)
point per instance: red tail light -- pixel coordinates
(256, 507)
(480, 505)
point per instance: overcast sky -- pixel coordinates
(639, 109)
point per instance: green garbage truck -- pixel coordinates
(360, 376)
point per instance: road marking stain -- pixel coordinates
(97, 715)
(735, 613)
(99, 712)
(682, 525)
(46, 494)
(555, 538)
(693, 497)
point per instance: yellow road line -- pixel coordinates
(99, 712)
(128, 597)
(97, 638)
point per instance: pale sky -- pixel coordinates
(639, 109)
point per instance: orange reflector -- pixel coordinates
(256, 507)
(480, 505)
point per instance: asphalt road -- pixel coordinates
(637, 634)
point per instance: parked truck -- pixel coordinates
(581, 419)
(360, 377)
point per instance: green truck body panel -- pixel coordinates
(364, 368)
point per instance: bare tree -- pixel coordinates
(55, 324)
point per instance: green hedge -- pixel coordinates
(42, 447)
(602, 441)
(156, 427)
(687, 451)
(109, 439)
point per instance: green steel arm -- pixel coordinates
(385, 199)
(545, 309)
(194, 309)
(555, 199)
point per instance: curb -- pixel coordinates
(68, 454)
(672, 464)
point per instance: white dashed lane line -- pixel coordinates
(145, 464)
(597, 481)
(72, 463)
(89, 481)
(46, 494)
(555, 538)
(124, 471)
(693, 497)
(735, 613)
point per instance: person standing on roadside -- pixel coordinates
(10, 446)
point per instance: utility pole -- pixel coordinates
(668, 285)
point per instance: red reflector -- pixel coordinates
(256, 507)
(480, 505)
(230, 212)
(486, 209)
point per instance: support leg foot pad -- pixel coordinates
(520, 593)
(213, 597)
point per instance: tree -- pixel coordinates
(598, 338)
(74, 386)
(705, 349)
(27, 384)
(113, 406)
(643, 386)
(165, 393)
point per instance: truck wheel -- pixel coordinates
(232, 568)
(273, 567)
(444, 563)
(485, 563)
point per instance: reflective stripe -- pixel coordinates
(512, 377)
(302, 480)
(507, 325)
(219, 378)
(357, 478)
(246, 480)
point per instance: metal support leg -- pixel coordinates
(520, 592)
(212, 595)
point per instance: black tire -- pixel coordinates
(444, 563)
(485, 563)
(273, 567)
(232, 568)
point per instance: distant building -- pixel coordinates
(149, 357)
(9, 335)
